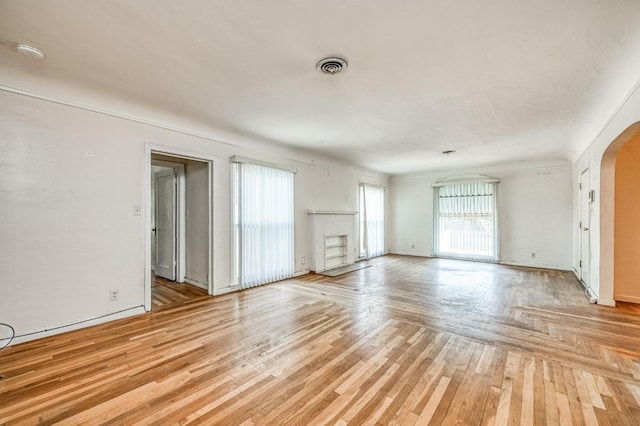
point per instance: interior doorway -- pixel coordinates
(179, 225)
(610, 229)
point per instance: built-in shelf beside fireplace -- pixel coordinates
(332, 239)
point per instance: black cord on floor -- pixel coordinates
(13, 334)
(13, 331)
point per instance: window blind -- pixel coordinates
(263, 224)
(371, 221)
(466, 221)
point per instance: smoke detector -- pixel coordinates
(332, 66)
(30, 51)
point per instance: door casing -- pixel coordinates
(151, 149)
(584, 228)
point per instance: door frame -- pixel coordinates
(149, 149)
(584, 191)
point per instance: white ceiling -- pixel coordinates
(499, 81)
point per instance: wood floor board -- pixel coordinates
(405, 341)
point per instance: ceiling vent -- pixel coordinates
(332, 66)
(30, 51)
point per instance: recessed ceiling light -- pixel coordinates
(332, 66)
(30, 51)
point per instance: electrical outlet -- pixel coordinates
(533, 254)
(413, 246)
(137, 210)
(114, 293)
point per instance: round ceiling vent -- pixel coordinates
(332, 66)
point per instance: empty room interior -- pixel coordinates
(292, 212)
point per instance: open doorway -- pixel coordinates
(179, 232)
(618, 229)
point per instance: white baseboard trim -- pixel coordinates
(136, 310)
(225, 290)
(607, 302)
(588, 290)
(197, 283)
(412, 253)
(536, 265)
(628, 298)
(301, 273)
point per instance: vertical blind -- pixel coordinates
(466, 221)
(371, 221)
(263, 224)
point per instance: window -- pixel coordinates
(371, 221)
(466, 221)
(262, 224)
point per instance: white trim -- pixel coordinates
(410, 253)
(301, 273)
(502, 171)
(581, 220)
(606, 302)
(136, 310)
(239, 159)
(534, 265)
(372, 185)
(196, 283)
(635, 88)
(465, 179)
(627, 298)
(78, 105)
(496, 221)
(436, 220)
(331, 212)
(150, 148)
(228, 289)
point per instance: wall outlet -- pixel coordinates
(137, 210)
(114, 293)
(413, 246)
(533, 254)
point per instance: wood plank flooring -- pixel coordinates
(165, 293)
(406, 341)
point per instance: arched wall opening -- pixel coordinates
(618, 203)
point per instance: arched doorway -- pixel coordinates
(619, 210)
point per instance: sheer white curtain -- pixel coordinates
(263, 224)
(371, 221)
(466, 226)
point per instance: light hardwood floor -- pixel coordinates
(406, 341)
(165, 293)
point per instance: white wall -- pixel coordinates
(535, 215)
(69, 179)
(601, 262)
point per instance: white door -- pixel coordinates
(585, 223)
(165, 211)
